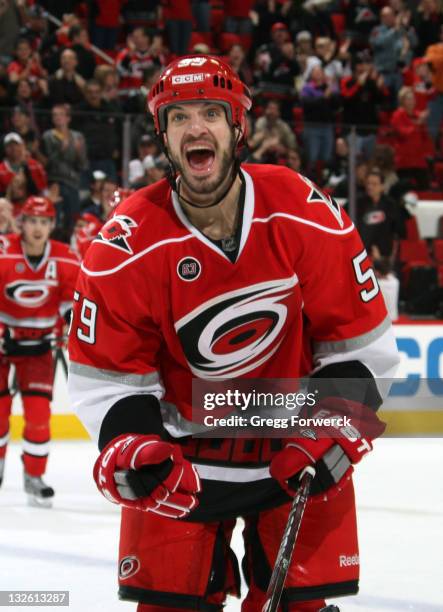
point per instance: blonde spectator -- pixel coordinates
(8, 224)
(17, 193)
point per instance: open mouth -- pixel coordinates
(201, 158)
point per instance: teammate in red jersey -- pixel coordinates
(224, 271)
(37, 280)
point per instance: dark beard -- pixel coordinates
(215, 186)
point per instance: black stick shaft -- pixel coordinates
(290, 533)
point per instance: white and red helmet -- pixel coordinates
(200, 77)
(38, 206)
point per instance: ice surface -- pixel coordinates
(73, 546)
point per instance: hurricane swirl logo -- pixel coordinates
(236, 332)
(116, 232)
(128, 566)
(29, 294)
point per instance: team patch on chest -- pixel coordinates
(237, 331)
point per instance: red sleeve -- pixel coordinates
(38, 174)
(344, 280)
(348, 88)
(402, 123)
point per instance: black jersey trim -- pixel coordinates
(132, 414)
(36, 394)
(161, 598)
(357, 384)
(322, 591)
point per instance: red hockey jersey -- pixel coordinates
(32, 299)
(158, 303)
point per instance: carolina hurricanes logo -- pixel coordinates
(375, 217)
(236, 332)
(116, 232)
(29, 294)
(128, 566)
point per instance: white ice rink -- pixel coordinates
(73, 546)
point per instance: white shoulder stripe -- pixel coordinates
(134, 257)
(75, 262)
(305, 222)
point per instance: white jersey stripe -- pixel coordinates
(135, 257)
(37, 449)
(91, 399)
(231, 474)
(305, 222)
(34, 322)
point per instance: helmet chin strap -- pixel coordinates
(172, 175)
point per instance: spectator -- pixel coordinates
(136, 100)
(65, 151)
(237, 60)
(17, 161)
(27, 66)
(106, 22)
(279, 35)
(17, 193)
(419, 77)
(293, 159)
(147, 148)
(97, 124)
(8, 224)
(109, 79)
(66, 86)
(284, 68)
(107, 201)
(201, 11)
(139, 55)
(384, 161)
(361, 17)
(434, 58)
(156, 168)
(337, 177)
(389, 41)
(22, 125)
(79, 39)
(237, 19)
(9, 29)
(378, 221)
(427, 22)
(413, 145)
(23, 98)
(325, 50)
(270, 125)
(93, 201)
(362, 94)
(306, 59)
(320, 103)
(177, 16)
(389, 285)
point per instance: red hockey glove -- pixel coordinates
(331, 449)
(146, 473)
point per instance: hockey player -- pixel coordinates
(225, 271)
(37, 280)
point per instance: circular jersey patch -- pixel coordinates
(189, 268)
(128, 567)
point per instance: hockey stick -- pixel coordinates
(290, 533)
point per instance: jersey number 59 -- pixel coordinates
(88, 319)
(363, 276)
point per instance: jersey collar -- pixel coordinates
(248, 214)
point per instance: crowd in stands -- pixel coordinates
(326, 75)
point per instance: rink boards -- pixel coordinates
(415, 409)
